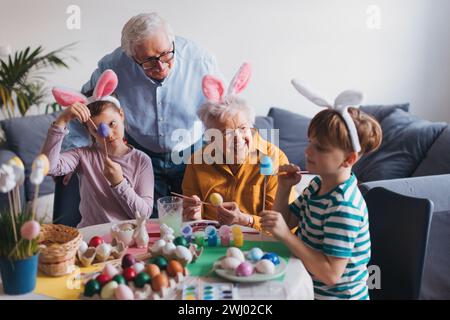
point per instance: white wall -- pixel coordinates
(326, 42)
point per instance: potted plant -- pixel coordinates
(22, 82)
(19, 230)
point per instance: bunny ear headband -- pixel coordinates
(214, 90)
(341, 104)
(106, 85)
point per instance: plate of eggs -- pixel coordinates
(254, 265)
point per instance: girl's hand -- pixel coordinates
(76, 111)
(229, 213)
(273, 222)
(289, 175)
(112, 172)
(192, 208)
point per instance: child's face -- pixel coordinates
(114, 119)
(324, 160)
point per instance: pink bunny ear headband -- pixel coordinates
(343, 101)
(214, 90)
(106, 85)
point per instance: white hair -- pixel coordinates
(229, 108)
(141, 27)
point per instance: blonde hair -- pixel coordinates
(329, 128)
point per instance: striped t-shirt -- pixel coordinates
(337, 224)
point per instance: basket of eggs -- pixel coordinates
(58, 248)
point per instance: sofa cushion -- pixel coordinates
(293, 129)
(380, 112)
(25, 137)
(437, 160)
(264, 124)
(406, 140)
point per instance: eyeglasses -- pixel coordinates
(242, 131)
(152, 62)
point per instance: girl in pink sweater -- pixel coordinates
(116, 180)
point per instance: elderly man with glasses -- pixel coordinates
(160, 91)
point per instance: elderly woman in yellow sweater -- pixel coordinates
(230, 163)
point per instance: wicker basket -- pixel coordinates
(59, 245)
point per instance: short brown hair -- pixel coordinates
(329, 128)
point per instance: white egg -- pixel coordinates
(235, 253)
(83, 247)
(158, 245)
(169, 249)
(230, 263)
(108, 290)
(183, 254)
(110, 270)
(103, 251)
(265, 266)
(139, 267)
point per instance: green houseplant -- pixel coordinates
(19, 231)
(22, 78)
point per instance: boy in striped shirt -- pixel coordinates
(333, 239)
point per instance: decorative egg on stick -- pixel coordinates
(265, 169)
(39, 169)
(216, 199)
(103, 131)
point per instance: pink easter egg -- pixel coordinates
(110, 271)
(245, 269)
(30, 230)
(123, 292)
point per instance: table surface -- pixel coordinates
(297, 283)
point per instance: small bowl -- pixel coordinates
(123, 232)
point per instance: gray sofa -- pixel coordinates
(414, 159)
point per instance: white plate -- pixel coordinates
(255, 277)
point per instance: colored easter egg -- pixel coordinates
(174, 267)
(129, 274)
(141, 279)
(161, 262)
(108, 290)
(159, 282)
(265, 266)
(216, 199)
(255, 254)
(110, 270)
(152, 270)
(91, 288)
(128, 260)
(119, 279)
(95, 241)
(103, 130)
(123, 292)
(245, 269)
(235, 253)
(181, 241)
(272, 257)
(103, 279)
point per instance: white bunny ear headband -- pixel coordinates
(105, 86)
(343, 101)
(214, 90)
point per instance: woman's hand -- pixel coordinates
(192, 208)
(289, 175)
(229, 213)
(273, 222)
(77, 110)
(112, 172)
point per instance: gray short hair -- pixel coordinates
(140, 27)
(229, 108)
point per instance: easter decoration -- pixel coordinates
(105, 86)
(251, 266)
(216, 199)
(158, 278)
(98, 251)
(19, 236)
(140, 234)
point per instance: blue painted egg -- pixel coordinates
(272, 257)
(255, 254)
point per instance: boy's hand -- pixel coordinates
(229, 213)
(192, 208)
(289, 175)
(112, 172)
(76, 111)
(273, 222)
